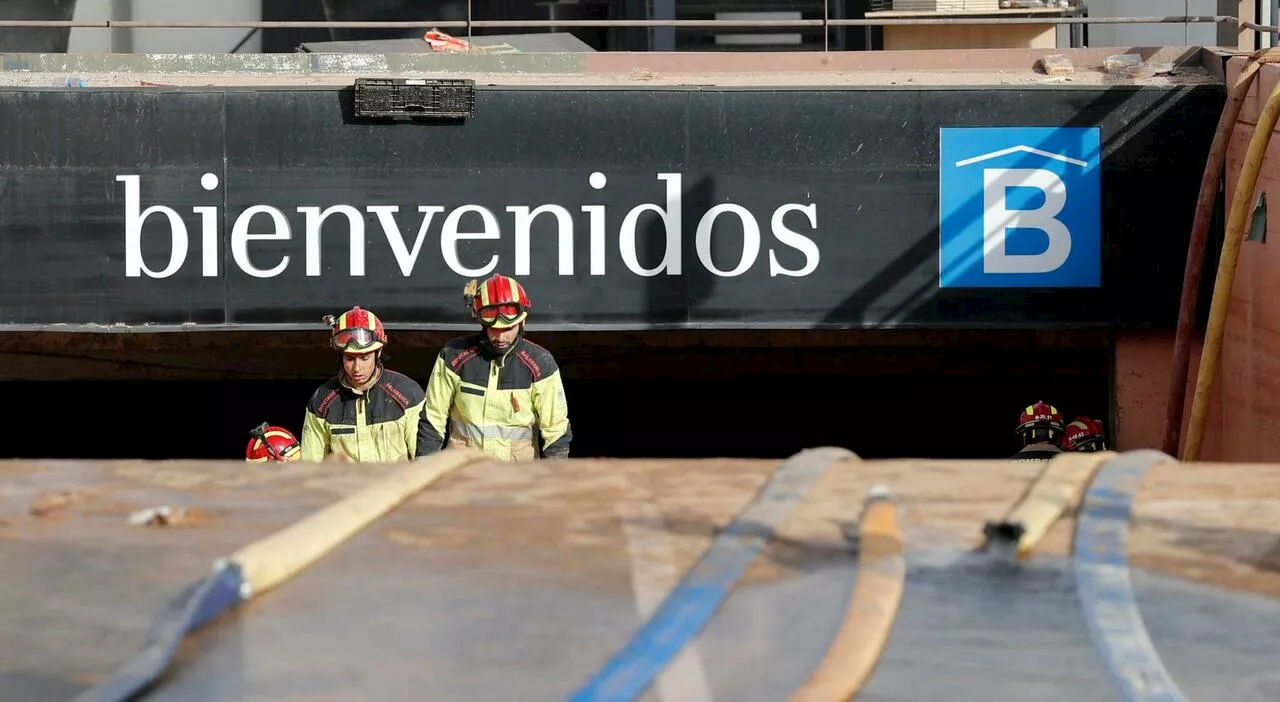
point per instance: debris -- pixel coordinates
(47, 502)
(74, 82)
(1057, 65)
(1150, 70)
(166, 516)
(1119, 62)
(443, 41)
(641, 73)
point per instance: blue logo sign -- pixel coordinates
(1021, 207)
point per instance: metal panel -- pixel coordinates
(63, 255)
(864, 160)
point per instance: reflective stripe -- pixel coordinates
(472, 432)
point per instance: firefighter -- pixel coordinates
(495, 390)
(1039, 428)
(269, 443)
(1084, 434)
(366, 413)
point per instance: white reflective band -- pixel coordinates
(474, 432)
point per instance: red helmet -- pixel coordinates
(271, 443)
(356, 331)
(499, 302)
(1039, 416)
(1084, 434)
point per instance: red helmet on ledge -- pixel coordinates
(499, 302)
(356, 331)
(1084, 434)
(1041, 415)
(269, 443)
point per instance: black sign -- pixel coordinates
(618, 208)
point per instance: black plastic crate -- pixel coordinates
(415, 97)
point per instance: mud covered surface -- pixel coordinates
(641, 78)
(1156, 66)
(532, 571)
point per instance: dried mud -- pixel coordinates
(1213, 524)
(638, 78)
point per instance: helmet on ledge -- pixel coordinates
(269, 443)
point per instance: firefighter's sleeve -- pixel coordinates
(552, 410)
(441, 389)
(315, 438)
(411, 426)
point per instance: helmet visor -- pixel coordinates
(354, 339)
(508, 313)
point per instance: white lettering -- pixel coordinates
(450, 236)
(596, 225)
(134, 266)
(315, 221)
(997, 219)
(750, 239)
(208, 240)
(670, 220)
(240, 238)
(524, 222)
(209, 229)
(387, 218)
(795, 240)
(453, 232)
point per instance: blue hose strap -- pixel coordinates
(692, 603)
(1102, 580)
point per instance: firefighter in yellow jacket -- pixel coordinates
(496, 390)
(366, 413)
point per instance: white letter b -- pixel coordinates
(997, 219)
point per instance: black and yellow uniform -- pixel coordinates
(510, 405)
(378, 425)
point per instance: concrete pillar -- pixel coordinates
(32, 39)
(165, 40)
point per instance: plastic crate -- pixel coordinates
(415, 97)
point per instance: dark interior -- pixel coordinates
(928, 402)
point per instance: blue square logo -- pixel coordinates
(1021, 207)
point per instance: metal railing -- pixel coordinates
(701, 24)
(469, 24)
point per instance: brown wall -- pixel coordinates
(1247, 391)
(1143, 361)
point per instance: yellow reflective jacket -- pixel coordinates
(379, 425)
(512, 406)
